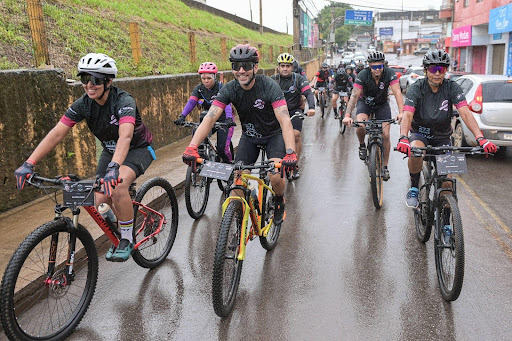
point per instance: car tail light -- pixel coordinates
(414, 76)
(476, 104)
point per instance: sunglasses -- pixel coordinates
(246, 65)
(435, 68)
(378, 67)
(86, 78)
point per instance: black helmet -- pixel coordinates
(324, 64)
(436, 57)
(376, 56)
(349, 67)
(244, 53)
(295, 65)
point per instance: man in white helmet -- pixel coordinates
(113, 117)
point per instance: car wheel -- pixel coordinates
(458, 137)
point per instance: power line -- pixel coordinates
(370, 5)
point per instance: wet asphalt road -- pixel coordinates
(341, 269)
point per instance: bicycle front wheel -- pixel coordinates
(342, 126)
(375, 168)
(226, 266)
(38, 303)
(222, 184)
(157, 194)
(422, 218)
(270, 241)
(197, 190)
(322, 105)
(449, 253)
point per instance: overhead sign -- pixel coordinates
(500, 19)
(353, 17)
(386, 31)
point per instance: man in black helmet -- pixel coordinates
(263, 112)
(427, 116)
(371, 94)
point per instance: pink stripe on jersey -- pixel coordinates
(219, 104)
(194, 98)
(409, 108)
(358, 86)
(279, 103)
(461, 104)
(307, 87)
(127, 119)
(67, 121)
(394, 81)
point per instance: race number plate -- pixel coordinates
(78, 193)
(451, 164)
(216, 170)
(343, 94)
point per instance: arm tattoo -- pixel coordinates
(213, 111)
(282, 110)
(351, 102)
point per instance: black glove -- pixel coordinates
(22, 173)
(180, 120)
(229, 122)
(111, 179)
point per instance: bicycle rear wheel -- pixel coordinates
(375, 168)
(422, 218)
(270, 241)
(157, 194)
(226, 266)
(197, 190)
(322, 104)
(449, 257)
(38, 305)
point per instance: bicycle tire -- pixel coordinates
(342, 114)
(222, 183)
(197, 191)
(453, 254)
(228, 247)
(25, 295)
(322, 105)
(422, 218)
(158, 194)
(270, 241)
(375, 168)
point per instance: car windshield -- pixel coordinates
(497, 91)
(418, 72)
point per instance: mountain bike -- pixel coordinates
(438, 206)
(51, 278)
(374, 156)
(341, 112)
(197, 188)
(235, 231)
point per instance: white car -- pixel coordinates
(490, 101)
(410, 76)
(348, 55)
(360, 59)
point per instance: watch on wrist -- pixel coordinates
(113, 164)
(403, 137)
(290, 151)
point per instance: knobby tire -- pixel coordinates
(269, 242)
(375, 168)
(197, 191)
(422, 215)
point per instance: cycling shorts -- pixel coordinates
(341, 89)
(137, 159)
(320, 85)
(297, 121)
(434, 142)
(248, 150)
(380, 113)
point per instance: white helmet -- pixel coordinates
(98, 65)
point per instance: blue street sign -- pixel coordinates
(353, 17)
(386, 31)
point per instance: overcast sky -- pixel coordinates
(276, 13)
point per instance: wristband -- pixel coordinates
(31, 162)
(193, 145)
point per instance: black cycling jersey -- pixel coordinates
(293, 88)
(103, 121)
(207, 96)
(343, 82)
(433, 111)
(375, 95)
(255, 106)
(322, 75)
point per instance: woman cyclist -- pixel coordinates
(204, 94)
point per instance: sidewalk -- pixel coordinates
(16, 224)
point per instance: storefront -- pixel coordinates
(500, 40)
(461, 41)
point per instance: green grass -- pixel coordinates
(77, 27)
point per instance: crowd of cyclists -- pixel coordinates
(264, 106)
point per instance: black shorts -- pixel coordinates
(339, 89)
(381, 113)
(297, 121)
(320, 85)
(434, 142)
(137, 159)
(248, 150)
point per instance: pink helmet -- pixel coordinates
(207, 67)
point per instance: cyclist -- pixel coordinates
(204, 94)
(372, 85)
(293, 87)
(298, 69)
(322, 79)
(359, 67)
(427, 116)
(343, 83)
(349, 69)
(113, 117)
(261, 105)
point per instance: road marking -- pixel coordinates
(486, 207)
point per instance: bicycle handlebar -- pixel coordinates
(299, 115)
(356, 124)
(418, 151)
(268, 164)
(217, 125)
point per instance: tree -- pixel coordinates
(342, 32)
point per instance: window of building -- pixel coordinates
(466, 3)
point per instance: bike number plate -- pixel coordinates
(216, 170)
(343, 94)
(451, 164)
(78, 193)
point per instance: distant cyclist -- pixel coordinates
(342, 83)
(371, 94)
(427, 116)
(322, 79)
(204, 94)
(298, 69)
(349, 69)
(359, 67)
(294, 86)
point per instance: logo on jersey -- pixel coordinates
(113, 120)
(381, 85)
(444, 105)
(259, 104)
(250, 131)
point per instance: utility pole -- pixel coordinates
(331, 42)
(402, 29)
(250, 8)
(261, 17)
(296, 29)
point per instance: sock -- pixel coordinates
(335, 110)
(126, 229)
(415, 180)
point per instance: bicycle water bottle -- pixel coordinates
(107, 213)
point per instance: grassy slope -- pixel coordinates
(76, 27)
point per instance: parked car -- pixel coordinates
(410, 76)
(454, 75)
(347, 60)
(399, 70)
(490, 101)
(341, 50)
(421, 50)
(360, 59)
